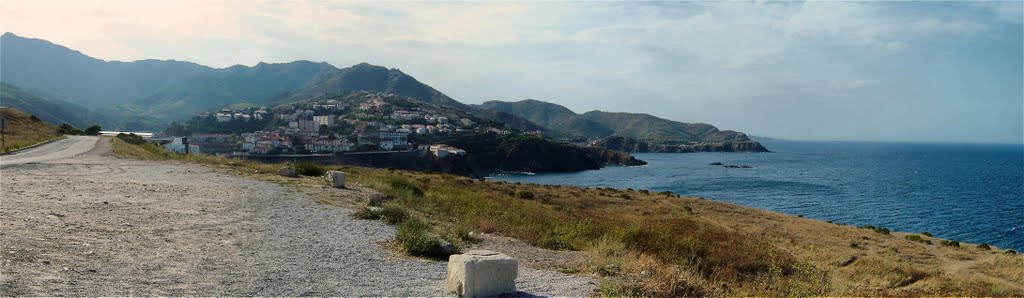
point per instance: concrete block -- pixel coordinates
(481, 273)
(337, 178)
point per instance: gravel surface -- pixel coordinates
(93, 225)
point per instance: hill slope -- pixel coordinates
(598, 124)
(149, 94)
(52, 111)
(22, 130)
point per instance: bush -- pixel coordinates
(67, 129)
(393, 214)
(526, 195)
(952, 243)
(415, 239)
(366, 213)
(927, 234)
(880, 230)
(917, 238)
(131, 138)
(309, 169)
(93, 130)
(402, 184)
(1011, 252)
(984, 246)
(34, 118)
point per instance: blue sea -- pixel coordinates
(965, 192)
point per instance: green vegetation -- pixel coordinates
(45, 109)
(23, 130)
(651, 245)
(952, 243)
(917, 238)
(309, 169)
(927, 234)
(880, 230)
(598, 124)
(984, 246)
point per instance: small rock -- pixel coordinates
(287, 171)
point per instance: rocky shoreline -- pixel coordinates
(633, 145)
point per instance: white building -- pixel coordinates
(223, 117)
(324, 120)
(178, 145)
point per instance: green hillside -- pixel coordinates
(49, 110)
(21, 129)
(598, 124)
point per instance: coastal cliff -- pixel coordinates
(627, 144)
(490, 153)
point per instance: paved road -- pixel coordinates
(61, 149)
(87, 224)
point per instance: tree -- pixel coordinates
(67, 129)
(93, 130)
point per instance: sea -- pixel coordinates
(966, 192)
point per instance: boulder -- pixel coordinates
(287, 171)
(481, 273)
(337, 178)
(375, 199)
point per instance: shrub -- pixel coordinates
(880, 230)
(525, 195)
(131, 138)
(952, 243)
(1011, 252)
(393, 214)
(366, 213)
(854, 244)
(309, 169)
(402, 184)
(917, 238)
(34, 118)
(984, 246)
(927, 234)
(93, 130)
(415, 240)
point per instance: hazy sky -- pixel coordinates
(903, 71)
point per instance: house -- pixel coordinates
(178, 145)
(442, 150)
(223, 117)
(324, 120)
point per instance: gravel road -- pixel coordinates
(87, 224)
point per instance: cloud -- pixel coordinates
(688, 61)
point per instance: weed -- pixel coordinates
(309, 169)
(366, 213)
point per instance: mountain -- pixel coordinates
(367, 77)
(52, 111)
(149, 94)
(598, 124)
(61, 73)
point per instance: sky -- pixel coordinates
(871, 71)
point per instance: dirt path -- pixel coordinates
(98, 226)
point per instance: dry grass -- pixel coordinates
(23, 131)
(655, 244)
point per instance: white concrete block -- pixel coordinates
(337, 178)
(481, 273)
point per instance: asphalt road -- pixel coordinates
(61, 149)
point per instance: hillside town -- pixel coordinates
(362, 121)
